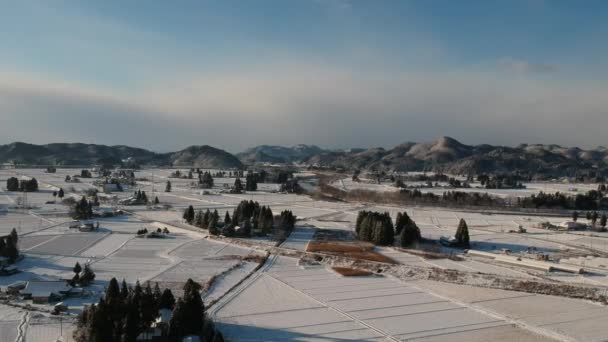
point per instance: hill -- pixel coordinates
(91, 154)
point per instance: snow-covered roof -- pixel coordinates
(191, 338)
(45, 288)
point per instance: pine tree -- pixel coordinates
(212, 225)
(189, 313)
(60, 194)
(166, 301)
(206, 219)
(603, 220)
(124, 291)
(409, 234)
(156, 201)
(238, 186)
(399, 223)
(227, 220)
(77, 268)
(251, 183)
(88, 276)
(12, 184)
(189, 214)
(168, 186)
(575, 216)
(198, 220)
(462, 234)
(112, 297)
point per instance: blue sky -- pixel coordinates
(338, 73)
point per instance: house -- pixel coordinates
(88, 227)
(571, 225)
(15, 287)
(45, 291)
(8, 270)
(448, 241)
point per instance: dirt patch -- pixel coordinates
(351, 272)
(355, 250)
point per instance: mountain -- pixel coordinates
(278, 154)
(205, 157)
(448, 155)
(92, 154)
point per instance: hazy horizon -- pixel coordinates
(333, 73)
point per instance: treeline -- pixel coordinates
(592, 200)
(125, 313)
(413, 196)
(28, 185)
(248, 218)
(9, 246)
(502, 181)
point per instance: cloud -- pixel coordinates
(306, 103)
(521, 66)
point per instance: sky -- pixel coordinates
(164, 75)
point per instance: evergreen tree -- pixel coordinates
(88, 276)
(238, 186)
(189, 214)
(227, 220)
(228, 230)
(12, 184)
(124, 291)
(112, 297)
(77, 268)
(156, 201)
(166, 301)
(409, 234)
(168, 186)
(206, 219)
(399, 223)
(594, 217)
(603, 220)
(574, 216)
(198, 220)
(189, 313)
(462, 234)
(60, 194)
(251, 182)
(212, 226)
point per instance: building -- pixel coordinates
(571, 225)
(45, 291)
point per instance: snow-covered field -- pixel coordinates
(532, 188)
(284, 301)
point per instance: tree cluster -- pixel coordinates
(85, 174)
(291, 186)
(9, 246)
(82, 276)
(406, 228)
(205, 180)
(285, 225)
(27, 185)
(125, 313)
(82, 210)
(592, 200)
(141, 197)
(502, 181)
(375, 227)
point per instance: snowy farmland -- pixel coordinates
(287, 300)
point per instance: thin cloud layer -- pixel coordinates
(310, 103)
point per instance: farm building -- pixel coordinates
(571, 225)
(45, 291)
